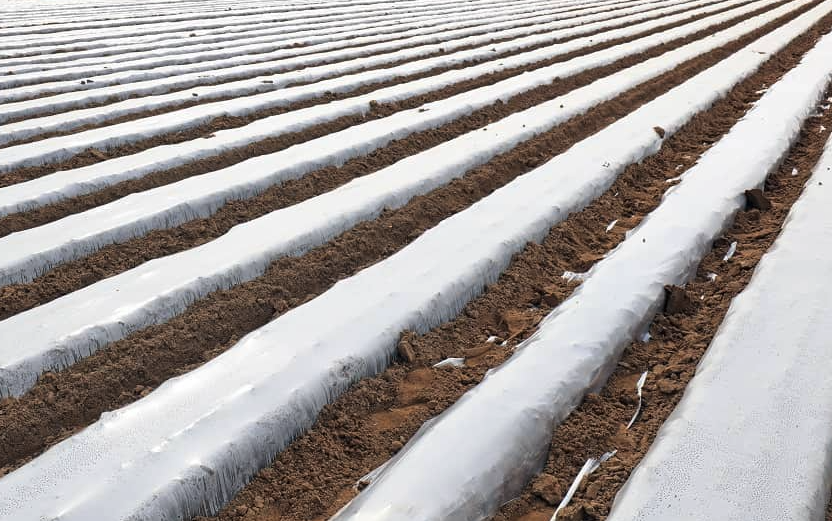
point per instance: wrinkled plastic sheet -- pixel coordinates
(180, 81)
(159, 289)
(448, 474)
(752, 436)
(71, 183)
(230, 65)
(191, 444)
(68, 120)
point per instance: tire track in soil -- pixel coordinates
(314, 477)
(113, 259)
(92, 156)
(677, 343)
(63, 403)
(113, 99)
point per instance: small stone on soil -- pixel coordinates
(755, 199)
(406, 352)
(678, 300)
(668, 386)
(547, 488)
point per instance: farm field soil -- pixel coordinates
(322, 469)
(133, 366)
(318, 474)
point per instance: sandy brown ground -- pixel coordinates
(316, 475)
(63, 402)
(93, 156)
(116, 258)
(677, 343)
(368, 424)
(197, 100)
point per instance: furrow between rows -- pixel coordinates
(475, 184)
(317, 474)
(250, 439)
(35, 250)
(678, 339)
(516, 407)
(272, 48)
(258, 34)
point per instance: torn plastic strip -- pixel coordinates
(731, 251)
(572, 276)
(450, 362)
(639, 386)
(589, 467)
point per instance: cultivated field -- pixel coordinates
(417, 260)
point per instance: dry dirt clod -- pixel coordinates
(755, 199)
(573, 513)
(677, 300)
(592, 490)
(514, 322)
(548, 295)
(97, 154)
(659, 131)
(668, 386)
(623, 438)
(406, 352)
(547, 488)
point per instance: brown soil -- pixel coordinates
(208, 82)
(92, 156)
(315, 476)
(65, 402)
(391, 37)
(116, 258)
(221, 123)
(119, 374)
(310, 7)
(677, 343)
